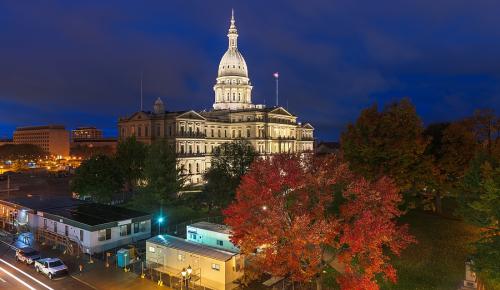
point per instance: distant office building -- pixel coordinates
(82, 133)
(87, 147)
(53, 139)
(5, 141)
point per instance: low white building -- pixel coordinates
(87, 227)
(212, 268)
(213, 235)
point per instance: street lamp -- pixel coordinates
(160, 220)
(186, 275)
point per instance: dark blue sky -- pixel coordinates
(79, 62)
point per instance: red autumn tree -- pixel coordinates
(287, 213)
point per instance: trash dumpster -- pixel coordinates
(123, 258)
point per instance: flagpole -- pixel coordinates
(141, 91)
(277, 95)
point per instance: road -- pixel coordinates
(14, 275)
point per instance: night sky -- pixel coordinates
(79, 62)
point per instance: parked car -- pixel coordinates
(52, 267)
(27, 255)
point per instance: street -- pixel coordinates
(15, 275)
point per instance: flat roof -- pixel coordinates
(223, 229)
(26, 128)
(94, 214)
(191, 247)
(83, 212)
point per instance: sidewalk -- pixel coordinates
(97, 276)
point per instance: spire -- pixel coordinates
(232, 33)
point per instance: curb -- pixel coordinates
(83, 282)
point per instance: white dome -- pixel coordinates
(233, 64)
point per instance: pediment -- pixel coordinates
(192, 115)
(139, 116)
(307, 126)
(281, 111)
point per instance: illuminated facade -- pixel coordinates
(83, 133)
(195, 135)
(53, 139)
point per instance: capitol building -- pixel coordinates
(195, 134)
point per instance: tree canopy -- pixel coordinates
(389, 143)
(302, 215)
(98, 177)
(20, 151)
(161, 179)
(130, 156)
(229, 163)
(479, 203)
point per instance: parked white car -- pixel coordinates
(27, 255)
(52, 267)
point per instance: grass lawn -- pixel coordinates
(437, 261)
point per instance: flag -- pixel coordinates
(276, 75)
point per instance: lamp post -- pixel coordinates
(160, 220)
(186, 275)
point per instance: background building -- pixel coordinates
(53, 139)
(195, 135)
(4, 141)
(86, 133)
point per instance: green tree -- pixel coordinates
(130, 155)
(479, 204)
(229, 163)
(389, 143)
(98, 177)
(452, 147)
(161, 178)
(20, 151)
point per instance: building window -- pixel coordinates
(180, 257)
(151, 249)
(55, 227)
(189, 168)
(104, 235)
(142, 226)
(136, 228)
(125, 230)
(197, 168)
(139, 131)
(66, 230)
(215, 267)
(192, 235)
(45, 223)
(218, 133)
(81, 235)
(212, 131)
(248, 133)
(220, 243)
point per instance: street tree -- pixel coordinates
(479, 204)
(389, 143)
(294, 217)
(229, 163)
(99, 178)
(20, 151)
(130, 155)
(161, 179)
